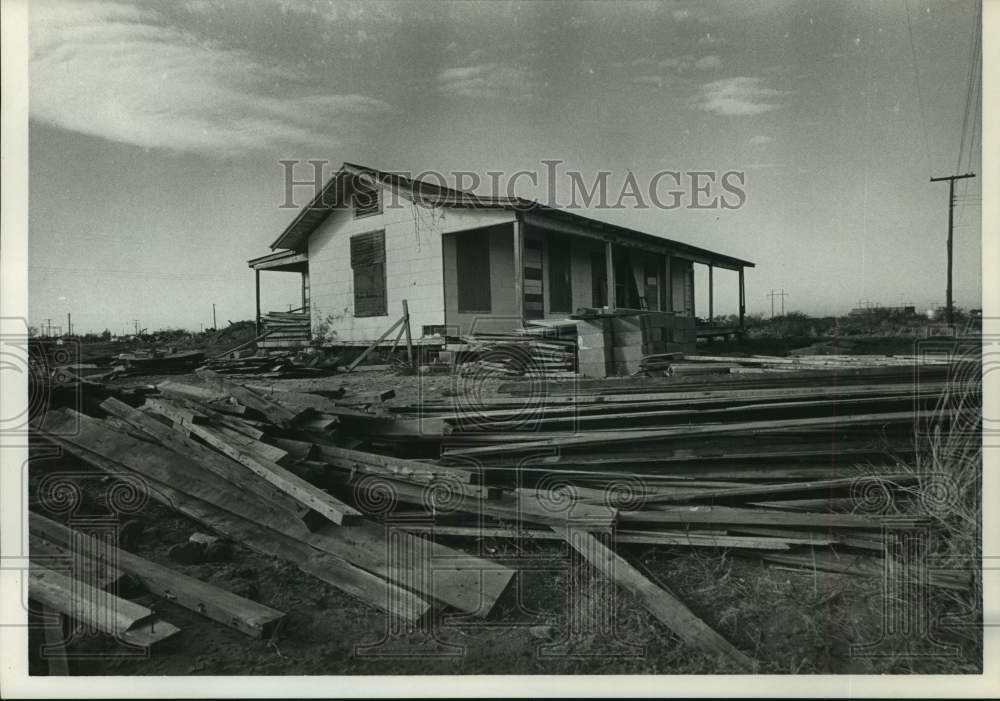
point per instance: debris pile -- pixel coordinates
(317, 480)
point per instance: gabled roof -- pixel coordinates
(335, 194)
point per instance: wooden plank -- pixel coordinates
(666, 607)
(54, 651)
(466, 582)
(773, 491)
(224, 467)
(749, 517)
(300, 450)
(248, 617)
(601, 439)
(272, 410)
(121, 618)
(264, 538)
(692, 539)
(188, 391)
(259, 449)
(73, 563)
(289, 483)
(386, 464)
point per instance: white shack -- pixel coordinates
(464, 262)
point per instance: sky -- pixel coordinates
(157, 128)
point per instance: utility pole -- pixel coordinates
(69, 324)
(772, 294)
(951, 232)
(48, 327)
(215, 326)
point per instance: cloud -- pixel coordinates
(707, 63)
(655, 80)
(760, 140)
(488, 80)
(736, 97)
(122, 73)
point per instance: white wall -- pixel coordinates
(414, 265)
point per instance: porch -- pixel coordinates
(284, 329)
(550, 266)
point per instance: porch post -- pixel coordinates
(256, 274)
(610, 274)
(711, 294)
(519, 268)
(743, 299)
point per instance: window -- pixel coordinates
(365, 200)
(472, 257)
(599, 278)
(560, 275)
(368, 262)
(651, 280)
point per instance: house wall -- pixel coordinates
(503, 308)
(414, 265)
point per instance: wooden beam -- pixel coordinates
(248, 617)
(666, 607)
(125, 620)
(372, 346)
(711, 293)
(267, 535)
(204, 457)
(288, 482)
(743, 300)
(749, 517)
(519, 268)
(256, 275)
(609, 274)
(410, 359)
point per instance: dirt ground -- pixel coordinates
(548, 621)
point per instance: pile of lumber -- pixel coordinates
(596, 465)
(768, 363)
(274, 479)
(518, 355)
(155, 360)
(285, 330)
(273, 364)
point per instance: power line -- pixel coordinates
(920, 94)
(970, 89)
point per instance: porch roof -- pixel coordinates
(288, 261)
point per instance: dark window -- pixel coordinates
(560, 275)
(368, 262)
(472, 256)
(366, 201)
(599, 278)
(652, 284)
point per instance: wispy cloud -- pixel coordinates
(488, 80)
(123, 73)
(760, 140)
(706, 63)
(737, 97)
